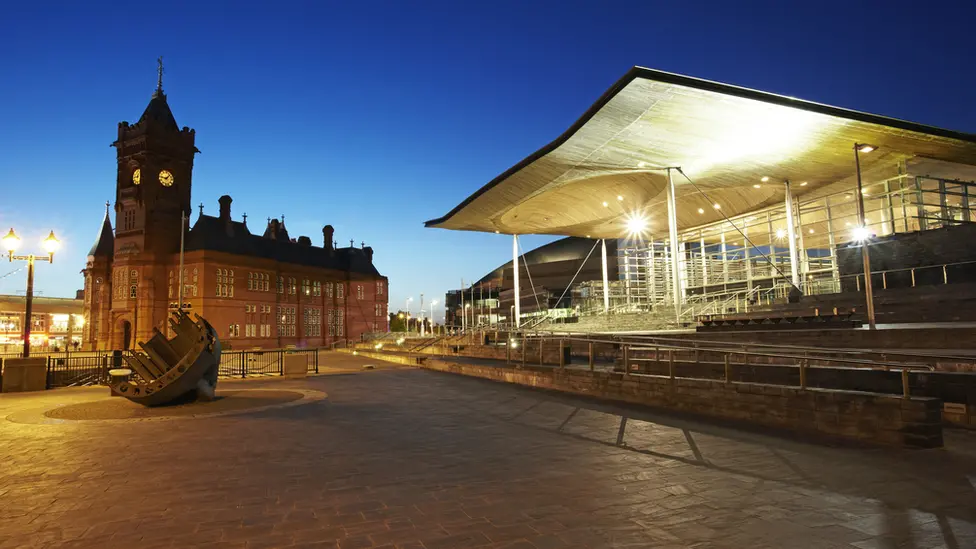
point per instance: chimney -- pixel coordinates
(368, 250)
(305, 241)
(327, 233)
(225, 207)
(273, 227)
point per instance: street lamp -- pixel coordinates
(432, 303)
(861, 233)
(50, 244)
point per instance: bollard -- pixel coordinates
(728, 369)
(671, 363)
(541, 341)
(626, 359)
(904, 383)
(562, 353)
(508, 351)
(803, 374)
(591, 357)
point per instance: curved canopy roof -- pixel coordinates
(725, 139)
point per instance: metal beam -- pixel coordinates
(673, 236)
(606, 278)
(791, 235)
(515, 280)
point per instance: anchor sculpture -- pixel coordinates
(173, 369)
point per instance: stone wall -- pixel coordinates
(866, 417)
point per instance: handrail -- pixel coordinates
(739, 347)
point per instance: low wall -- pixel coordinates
(865, 417)
(24, 374)
(946, 337)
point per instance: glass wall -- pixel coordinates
(746, 259)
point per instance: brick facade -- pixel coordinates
(258, 291)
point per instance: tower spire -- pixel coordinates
(159, 75)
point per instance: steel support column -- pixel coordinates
(515, 281)
(791, 235)
(606, 277)
(673, 244)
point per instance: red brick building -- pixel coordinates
(262, 289)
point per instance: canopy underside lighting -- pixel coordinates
(737, 145)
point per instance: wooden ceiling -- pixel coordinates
(610, 165)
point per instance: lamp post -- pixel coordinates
(50, 244)
(862, 233)
(432, 303)
(406, 326)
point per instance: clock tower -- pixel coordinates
(155, 171)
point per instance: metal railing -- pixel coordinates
(631, 352)
(91, 367)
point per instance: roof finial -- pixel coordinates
(201, 208)
(106, 207)
(351, 243)
(159, 77)
(282, 219)
(245, 218)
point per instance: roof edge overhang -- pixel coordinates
(704, 85)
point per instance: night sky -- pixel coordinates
(375, 118)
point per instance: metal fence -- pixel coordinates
(91, 367)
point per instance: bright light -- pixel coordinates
(860, 234)
(780, 234)
(605, 204)
(641, 164)
(355, 353)
(811, 231)
(765, 178)
(51, 243)
(864, 148)
(757, 186)
(11, 242)
(804, 184)
(636, 224)
(400, 315)
(701, 210)
(587, 236)
(497, 232)
(717, 206)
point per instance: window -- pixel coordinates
(306, 287)
(250, 330)
(286, 321)
(312, 322)
(281, 284)
(316, 288)
(133, 290)
(234, 330)
(339, 290)
(359, 291)
(250, 281)
(335, 322)
(328, 289)
(292, 286)
(379, 287)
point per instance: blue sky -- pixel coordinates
(376, 116)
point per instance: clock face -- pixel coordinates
(165, 178)
(137, 176)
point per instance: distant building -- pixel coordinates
(261, 289)
(56, 322)
(551, 278)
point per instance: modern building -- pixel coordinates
(56, 323)
(264, 289)
(719, 195)
(554, 280)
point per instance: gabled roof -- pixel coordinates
(612, 162)
(105, 242)
(158, 112)
(233, 237)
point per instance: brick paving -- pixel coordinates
(411, 459)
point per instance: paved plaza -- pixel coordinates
(404, 458)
